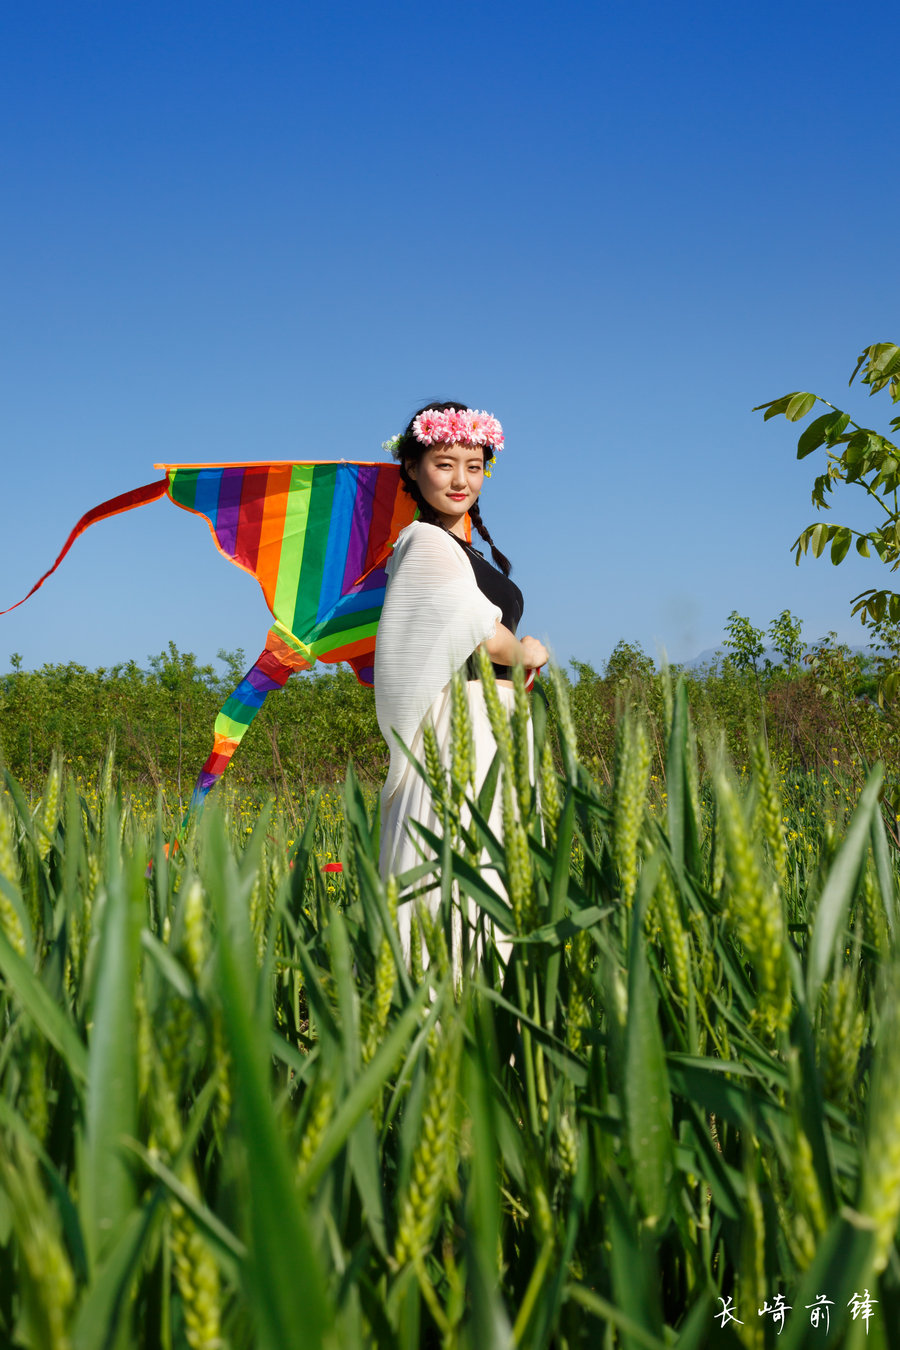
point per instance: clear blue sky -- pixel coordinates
(234, 231)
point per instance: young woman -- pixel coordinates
(443, 600)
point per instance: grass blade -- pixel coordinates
(287, 1284)
(107, 1187)
(840, 887)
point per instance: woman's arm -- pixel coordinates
(505, 649)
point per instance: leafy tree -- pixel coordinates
(784, 635)
(235, 663)
(746, 644)
(861, 458)
(188, 685)
(628, 662)
(744, 641)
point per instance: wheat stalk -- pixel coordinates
(676, 941)
(629, 797)
(880, 1197)
(420, 1203)
(579, 988)
(48, 1283)
(462, 743)
(550, 803)
(756, 911)
(49, 811)
(496, 712)
(769, 812)
(9, 881)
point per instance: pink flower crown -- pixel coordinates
(462, 427)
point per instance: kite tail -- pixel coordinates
(269, 671)
(127, 501)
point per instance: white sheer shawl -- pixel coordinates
(434, 617)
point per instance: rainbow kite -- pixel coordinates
(316, 536)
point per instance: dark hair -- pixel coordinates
(408, 448)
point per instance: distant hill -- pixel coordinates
(715, 654)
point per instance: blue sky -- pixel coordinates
(272, 231)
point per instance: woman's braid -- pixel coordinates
(499, 558)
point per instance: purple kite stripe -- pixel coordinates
(376, 580)
(263, 683)
(229, 510)
(359, 530)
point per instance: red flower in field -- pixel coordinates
(333, 867)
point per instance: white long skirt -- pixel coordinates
(403, 847)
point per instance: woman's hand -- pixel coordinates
(505, 649)
(534, 653)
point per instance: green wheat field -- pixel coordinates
(231, 1115)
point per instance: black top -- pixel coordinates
(502, 592)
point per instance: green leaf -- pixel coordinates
(106, 1183)
(805, 1095)
(300, 859)
(558, 891)
(366, 1168)
(724, 1181)
(818, 539)
(840, 545)
(841, 1264)
(862, 546)
(221, 1237)
(862, 356)
(634, 1269)
(816, 434)
(490, 1322)
(372, 892)
(556, 935)
(838, 423)
(840, 887)
(555, 1050)
(776, 407)
(287, 1285)
(883, 362)
(46, 1015)
(884, 871)
(799, 406)
(609, 1315)
(99, 1322)
(169, 966)
(489, 787)
(471, 880)
(889, 364)
(683, 832)
(13, 1124)
(365, 1089)
(345, 990)
(648, 1104)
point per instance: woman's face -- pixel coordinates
(450, 477)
